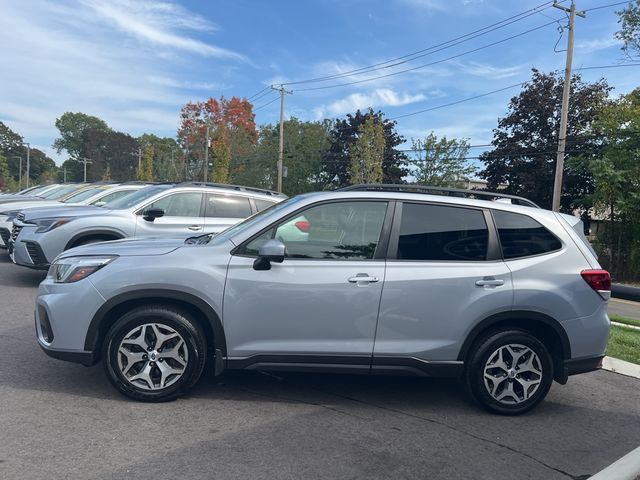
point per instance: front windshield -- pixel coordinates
(132, 200)
(64, 191)
(257, 217)
(83, 195)
(50, 192)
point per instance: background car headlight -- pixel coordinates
(73, 269)
(11, 214)
(47, 224)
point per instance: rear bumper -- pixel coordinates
(583, 365)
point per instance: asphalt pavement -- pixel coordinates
(60, 420)
(624, 308)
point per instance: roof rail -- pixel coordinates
(240, 188)
(451, 192)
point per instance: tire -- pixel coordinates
(504, 389)
(89, 241)
(172, 361)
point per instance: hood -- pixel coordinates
(21, 198)
(63, 210)
(128, 247)
(13, 206)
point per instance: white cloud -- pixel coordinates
(158, 24)
(486, 70)
(380, 97)
(431, 5)
(598, 44)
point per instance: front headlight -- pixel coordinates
(73, 269)
(11, 214)
(46, 224)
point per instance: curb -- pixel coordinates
(626, 468)
(627, 292)
(618, 324)
(621, 367)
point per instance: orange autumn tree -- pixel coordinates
(232, 133)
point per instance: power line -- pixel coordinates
(252, 97)
(430, 50)
(492, 44)
(607, 6)
(609, 66)
(265, 104)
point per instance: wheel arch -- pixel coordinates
(547, 329)
(115, 307)
(111, 234)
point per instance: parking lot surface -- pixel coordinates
(60, 420)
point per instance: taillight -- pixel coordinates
(303, 225)
(599, 280)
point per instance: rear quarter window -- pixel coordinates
(522, 236)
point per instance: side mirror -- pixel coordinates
(153, 213)
(271, 251)
(99, 204)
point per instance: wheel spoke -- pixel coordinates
(526, 386)
(161, 338)
(174, 353)
(132, 358)
(139, 340)
(145, 376)
(166, 371)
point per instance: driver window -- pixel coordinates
(184, 204)
(331, 231)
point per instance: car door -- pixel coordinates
(222, 211)
(182, 216)
(444, 273)
(320, 305)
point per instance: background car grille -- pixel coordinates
(5, 234)
(15, 232)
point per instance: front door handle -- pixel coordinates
(194, 228)
(362, 279)
(489, 282)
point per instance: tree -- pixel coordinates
(629, 33)
(336, 163)
(168, 157)
(616, 196)
(7, 183)
(72, 127)
(232, 133)
(442, 163)
(116, 151)
(367, 153)
(146, 165)
(13, 149)
(305, 144)
(525, 142)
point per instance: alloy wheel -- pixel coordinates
(513, 374)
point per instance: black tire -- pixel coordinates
(486, 348)
(89, 241)
(174, 320)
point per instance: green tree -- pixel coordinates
(13, 149)
(168, 158)
(443, 162)
(305, 145)
(108, 149)
(146, 165)
(7, 183)
(629, 33)
(72, 127)
(367, 153)
(336, 163)
(526, 140)
(616, 196)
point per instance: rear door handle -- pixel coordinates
(489, 282)
(363, 279)
(195, 228)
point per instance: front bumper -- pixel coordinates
(28, 253)
(63, 314)
(5, 233)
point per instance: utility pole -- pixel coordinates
(19, 173)
(85, 160)
(562, 133)
(206, 155)
(281, 147)
(28, 164)
(139, 159)
(64, 175)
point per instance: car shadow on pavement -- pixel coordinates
(20, 276)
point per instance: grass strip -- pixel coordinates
(624, 343)
(625, 320)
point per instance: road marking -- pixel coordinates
(626, 468)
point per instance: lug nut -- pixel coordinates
(145, 356)
(160, 360)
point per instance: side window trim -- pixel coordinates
(494, 252)
(381, 250)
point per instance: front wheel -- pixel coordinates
(509, 372)
(154, 353)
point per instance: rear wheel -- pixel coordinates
(154, 353)
(509, 372)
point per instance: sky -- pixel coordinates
(134, 63)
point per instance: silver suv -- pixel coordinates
(39, 235)
(506, 296)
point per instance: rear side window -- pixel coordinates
(441, 233)
(227, 206)
(522, 236)
(262, 204)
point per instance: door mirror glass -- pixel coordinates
(270, 251)
(152, 213)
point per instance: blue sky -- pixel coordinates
(134, 63)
